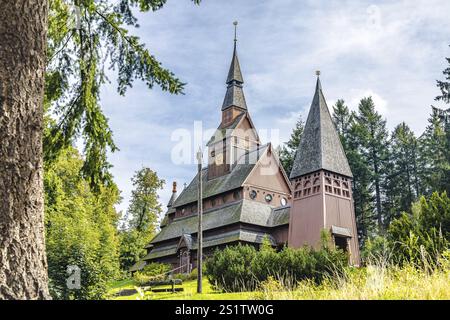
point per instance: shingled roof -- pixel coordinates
(320, 146)
(234, 97)
(220, 184)
(223, 132)
(244, 211)
(235, 94)
(215, 240)
(234, 74)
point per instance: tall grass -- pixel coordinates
(376, 281)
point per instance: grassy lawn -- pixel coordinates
(372, 283)
(189, 293)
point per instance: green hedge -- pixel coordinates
(243, 268)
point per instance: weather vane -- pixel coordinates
(235, 28)
(318, 73)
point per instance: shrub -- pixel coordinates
(242, 267)
(152, 271)
(230, 269)
(420, 237)
(186, 276)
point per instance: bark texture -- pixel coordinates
(23, 266)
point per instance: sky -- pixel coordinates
(391, 50)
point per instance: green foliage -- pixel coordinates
(151, 272)
(144, 207)
(288, 150)
(444, 86)
(402, 184)
(142, 217)
(132, 247)
(435, 153)
(188, 277)
(421, 236)
(373, 147)
(343, 120)
(156, 269)
(231, 268)
(80, 229)
(83, 41)
(242, 267)
(353, 141)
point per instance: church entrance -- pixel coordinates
(341, 243)
(185, 261)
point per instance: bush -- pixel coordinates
(185, 276)
(230, 269)
(152, 271)
(242, 267)
(420, 237)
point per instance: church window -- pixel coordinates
(268, 198)
(236, 195)
(213, 154)
(283, 201)
(213, 202)
(253, 194)
(224, 199)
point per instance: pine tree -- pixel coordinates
(23, 266)
(434, 152)
(373, 137)
(85, 40)
(343, 120)
(444, 116)
(444, 86)
(347, 128)
(41, 47)
(402, 183)
(288, 150)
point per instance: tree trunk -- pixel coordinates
(23, 266)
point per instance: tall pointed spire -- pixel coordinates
(320, 146)
(235, 95)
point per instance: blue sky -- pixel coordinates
(392, 50)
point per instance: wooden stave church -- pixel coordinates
(247, 195)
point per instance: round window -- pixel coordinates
(268, 198)
(253, 194)
(283, 201)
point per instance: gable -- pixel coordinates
(268, 173)
(246, 130)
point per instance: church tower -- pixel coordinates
(321, 179)
(236, 133)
